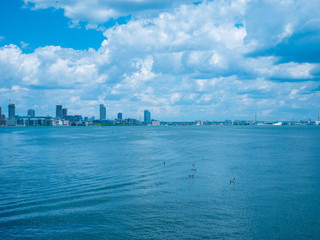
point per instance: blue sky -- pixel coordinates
(209, 60)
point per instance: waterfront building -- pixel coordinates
(199, 123)
(147, 117)
(11, 115)
(155, 123)
(32, 121)
(64, 113)
(58, 122)
(49, 121)
(131, 121)
(12, 111)
(31, 113)
(119, 116)
(58, 111)
(103, 113)
(77, 118)
(22, 121)
(11, 122)
(2, 118)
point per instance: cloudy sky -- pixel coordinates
(182, 60)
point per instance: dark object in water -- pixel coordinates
(193, 169)
(191, 175)
(232, 180)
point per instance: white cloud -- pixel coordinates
(24, 45)
(100, 11)
(190, 60)
(288, 31)
(135, 81)
(17, 88)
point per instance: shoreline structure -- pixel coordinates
(158, 123)
(63, 119)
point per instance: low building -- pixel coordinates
(199, 122)
(155, 123)
(34, 121)
(11, 122)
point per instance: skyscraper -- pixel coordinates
(120, 116)
(12, 111)
(103, 114)
(31, 113)
(59, 111)
(147, 117)
(64, 113)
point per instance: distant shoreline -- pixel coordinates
(162, 125)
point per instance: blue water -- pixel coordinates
(111, 182)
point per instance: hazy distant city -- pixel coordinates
(63, 119)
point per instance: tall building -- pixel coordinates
(31, 113)
(103, 113)
(120, 116)
(59, 111)
(64, 113)
(11, 121)
(147, 117)
(12, 111)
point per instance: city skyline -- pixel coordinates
(62, 118)
(61, 114)
(178, 59)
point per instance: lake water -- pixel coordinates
(112, 183)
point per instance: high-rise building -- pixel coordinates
(103, 113)
(64, 113)
(120, 116)
(31, 113)
(11, 121)
(12, 111)
(58, 111)
(147, 117)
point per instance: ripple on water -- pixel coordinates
(84, 183)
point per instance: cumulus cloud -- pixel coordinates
(192, 61)
(100, 11)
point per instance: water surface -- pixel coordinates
(112, 183)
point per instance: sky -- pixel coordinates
(182, 60)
